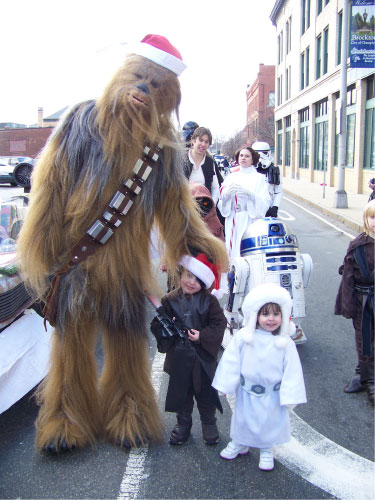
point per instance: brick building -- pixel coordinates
(23, 141)
(260, 107)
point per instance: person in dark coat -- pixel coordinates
(355, 300)
(191, 363)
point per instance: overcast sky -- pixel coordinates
(56, 53)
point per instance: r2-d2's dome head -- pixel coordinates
(268, 235)
(265, 154)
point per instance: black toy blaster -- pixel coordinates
(169, 326)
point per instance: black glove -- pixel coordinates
(272, 212)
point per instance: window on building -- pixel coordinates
(305, 68)
(305, 15)
(279, 141)
(339, 37)
(350, 136)
(280, 48)
(321, 3)
(318, 70)
(271, 99)
(288, 35)
(351, 95)
(287, 84)
(350, 128)
(370, 90)
(304, 138)
(369, 146)
(287, 140)
(280, 90)
(321, 135)
(325, 51)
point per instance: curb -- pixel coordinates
(352, 224)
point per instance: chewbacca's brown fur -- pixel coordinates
(89, 154)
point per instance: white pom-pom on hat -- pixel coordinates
(258, 297)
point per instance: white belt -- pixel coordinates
(258, 389)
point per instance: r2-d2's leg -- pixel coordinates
(238, 276)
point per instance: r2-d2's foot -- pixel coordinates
(299, 336)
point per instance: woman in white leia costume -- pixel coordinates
(244, 197)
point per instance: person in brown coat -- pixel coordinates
(355, 300)
(191, 362)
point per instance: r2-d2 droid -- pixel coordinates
(269, 254)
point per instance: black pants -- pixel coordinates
(205, 406)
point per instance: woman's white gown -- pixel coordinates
(240, 210)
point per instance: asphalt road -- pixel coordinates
(195, 470)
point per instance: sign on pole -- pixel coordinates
(362, 34)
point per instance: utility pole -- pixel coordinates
(341, 199)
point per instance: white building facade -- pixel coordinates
(307, 107)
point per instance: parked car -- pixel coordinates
(24, 343)
(6, 174)
(16, 171)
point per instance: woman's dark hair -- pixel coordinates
(266, 309)
(200, 132)
(254, 154)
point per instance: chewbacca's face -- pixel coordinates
(150, 87)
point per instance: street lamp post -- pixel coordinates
(341, 199)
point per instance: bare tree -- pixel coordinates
(262, 129)
(233, 143)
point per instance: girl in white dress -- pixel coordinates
(244, 197)
(262, 367)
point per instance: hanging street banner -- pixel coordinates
(362, 34)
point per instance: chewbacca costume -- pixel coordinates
(87, 158)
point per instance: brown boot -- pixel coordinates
(355, 385)
(181, 431)
(370, 391)
(210, 433)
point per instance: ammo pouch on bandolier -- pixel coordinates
(273, 174)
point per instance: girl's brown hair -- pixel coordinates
(266, 309)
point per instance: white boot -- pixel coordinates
(266, 459)
(233, 450)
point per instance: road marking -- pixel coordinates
(284, 215)
(134, 472)
(324, 463)
(320, 218)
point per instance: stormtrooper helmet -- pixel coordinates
(265, 154)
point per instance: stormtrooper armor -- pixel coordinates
(265, 166)
(269, 254)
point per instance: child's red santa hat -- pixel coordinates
(159, 50)
(258, 297)
(202, 268)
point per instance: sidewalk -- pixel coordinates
(312, 194)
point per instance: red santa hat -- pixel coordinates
(159, 50)
(202, 268)
(258, 297)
